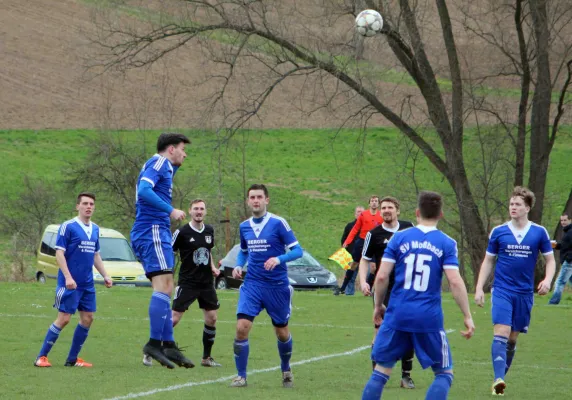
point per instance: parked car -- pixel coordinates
(116, 253)
(304, 273)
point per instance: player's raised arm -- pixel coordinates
(459, 291)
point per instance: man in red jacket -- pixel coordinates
(367, 220)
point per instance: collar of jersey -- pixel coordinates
(166, 159)
(426, 229)
(196, 230)
(86, 228)
(260, 225)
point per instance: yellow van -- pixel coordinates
(116, 253)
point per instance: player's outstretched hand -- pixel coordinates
(543, 287)
(480, 297)
(237, 273)
(178, 215)
(70, 283)
(216, 271)
(365, 289)
(470, 325)
(108, 282)
(271, 263)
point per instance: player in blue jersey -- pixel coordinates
(263, 241)
(151, 241)
(414, 317)
(77, 252)
(514, 246)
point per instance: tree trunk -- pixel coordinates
(540, 116)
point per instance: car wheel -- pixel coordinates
(40, 277)
(221, 284)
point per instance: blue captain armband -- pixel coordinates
(145, 192)
(294, 253)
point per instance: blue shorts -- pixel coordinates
(512, 309)
(68, 301)
(431, 348)
(154, 250)
(277, 300)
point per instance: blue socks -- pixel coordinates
(159, 312)
(439, 389)
(51, 337)
(498, 354)
(285, 351)
(241, 350)
(374, 386)
(510, 350)
(79, 337)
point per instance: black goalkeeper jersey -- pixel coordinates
(194, 248)
(375, 243)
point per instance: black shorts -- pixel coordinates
(185, 296)
(358, 249)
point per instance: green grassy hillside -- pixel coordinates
(316, 177)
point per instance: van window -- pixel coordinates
(115, 249)
(49, 244)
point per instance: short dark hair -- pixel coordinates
(195, 201)
(167, 139)
(257, 186)
(390, 199)
(430, 204)
(526, 194)
(566, 214)
(85, 194)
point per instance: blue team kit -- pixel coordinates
(420, 255)
(265, 238)
(151, 234)
(80, 242)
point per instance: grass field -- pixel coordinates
(324, 327)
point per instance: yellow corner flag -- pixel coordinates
(342, 257)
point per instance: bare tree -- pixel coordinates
(282, 40)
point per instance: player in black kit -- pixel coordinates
(194, 242)
(374, 245)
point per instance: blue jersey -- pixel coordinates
(266, 239)
(517, 252)
(159, 172)
(79, 242)
(420, 255)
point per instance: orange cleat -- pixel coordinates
(42, 362)
(78, 363)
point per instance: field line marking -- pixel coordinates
(228, 378)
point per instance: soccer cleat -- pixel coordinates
(239, 381)
(287, 379)
(156, 354)
(175, 355)
(42, 362)
(407, 382)
(147, 360)
(336, 291)
(498, 387)
(209, 362)
(79, 362)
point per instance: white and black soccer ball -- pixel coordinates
(369, 23)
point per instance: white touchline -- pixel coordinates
(227, 378)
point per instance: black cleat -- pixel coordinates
(157, 355)
(175, 355)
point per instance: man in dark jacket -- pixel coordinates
(565, 247)
(347, 230)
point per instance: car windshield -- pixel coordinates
(306, 261)
(115, 249)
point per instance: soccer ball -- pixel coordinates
(369, 23)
